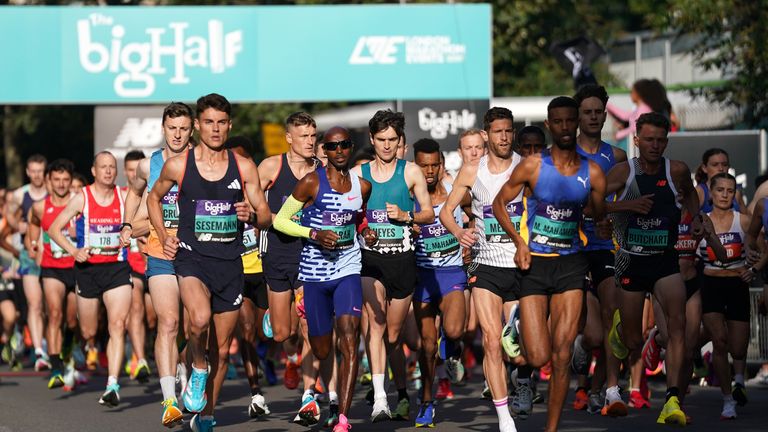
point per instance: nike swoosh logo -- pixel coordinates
(351, 198)
(356, 309)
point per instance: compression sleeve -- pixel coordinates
(283, 222)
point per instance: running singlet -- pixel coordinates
(436, 247)
(765, 217)
(337, 212)
(54, 256)
(98, 228)
(394, 237)
(733, 242)
(278, 245)
(606, 160)
(168, 203)
(553, 212)
(686, 245)
(26, 203)
(494, 247)
(208, 221)
(251, 255)
(706, 205)
(655, 232)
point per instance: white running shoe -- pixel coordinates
(380, 411)
(258, 407)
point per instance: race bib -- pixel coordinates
(250, 239)
(56, 250)
(342, 223)
(553, 227)
(134, 246)
(170, 209)
(686, 244)
(104, 239)
(733, 244)
(437, 241)
(494, 233)
(648, 234)
(389, 235)
(215, 221)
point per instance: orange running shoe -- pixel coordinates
(581, 401)
(291, 375)
(444, 389)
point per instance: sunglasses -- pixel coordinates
(333, 145)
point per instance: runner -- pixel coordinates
(211, 180)
(101, 269)
(17, 213)
(472, 146)
(715, 161)
(549, 245)
(647, 260)
(442, 282)
(530, 140)
(724, 285)
(331, 261)
(57, 266)
(494, 278)
(389, 266)
(160, 273)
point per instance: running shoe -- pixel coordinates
(266, 325)
(595, 403)
(172, 415)
(231, 372)
(365, 379)
(739, 394)
(402, 411)
(7, 353)
(343, 424)
(729, 410)
(291, 376)
(141, 372)
(486, 393)
(671, 413)
(194, 396)
(268, 366)
(426, 416)
(299, 301)
(309, 413)
(651, 351)
(761, 379)
(444, 389)
(614, 406)
(637, 400)
(42, 363)
(522, 404)
(454, 369)
(581, 400)
(181, 376)
(69, 377)
(369, 396)
(509, 336)
(56, 381)
(199, 425)
(545, 372)
(333, 416)
(92, 358)
(380, 411)
(581, 359)
(111, 396)
(618, 348)
(258, 407)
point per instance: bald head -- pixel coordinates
(103, 154)
(335, 134)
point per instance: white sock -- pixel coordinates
(111, 380)
(727, 398)
(502, 410)
(142, 362)
(307, 392)
(378, 386)
(294, 358)
(739, 378)
(333, 398)
(168, 386)
(440, 370)
(202, 371)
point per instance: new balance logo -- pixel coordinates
(583, 181)
(234, 185)
(661, 183)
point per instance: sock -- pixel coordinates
(440, 370)
(739, 378)
(333, 398)
(58, 366)
(142, 362)
(672, 391)
(69, 336)
(206, 417)
(39, 352)
(202, 371)
(111, 380)
(697, 360)
(293, 358)
(307, 392)
(502, 410)
(168, 387)
(402, 394)
(378, 386)
(634, 389)
(727, 398)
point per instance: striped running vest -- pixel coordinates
(436, 247)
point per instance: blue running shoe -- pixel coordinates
(446, 348)
(426, 416)
(266, 325)
(269, 372)
(194, 394)
(111, 396)
(199, 425)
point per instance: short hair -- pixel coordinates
(60, 165)
(37, 158)
(177, 109)
(470, 132)
(425, 145)
(239, 141)
(215, 101)
(530, 130)
(79, 177)
(496, 113)
(719, 176)
(103, 152)
(384, 119)
(591, 90)
(653, 119)
(562, 102)
(300, 118)
(133, 155)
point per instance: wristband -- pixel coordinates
(753, 270)
(126, 224)
(410, 216)
(313, 234)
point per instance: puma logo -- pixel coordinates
(605, 156)
(583, 181)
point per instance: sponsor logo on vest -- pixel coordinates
(217, 208)
(559, 214)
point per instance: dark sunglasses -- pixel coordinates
(333, 145)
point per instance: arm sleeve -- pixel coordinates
(283, 222)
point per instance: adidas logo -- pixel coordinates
(238, 300)
(234, 185)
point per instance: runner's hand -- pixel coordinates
(82, 254)
(327, 239)
(243, 210)
(698, 223)
(746, 275)
(394, 213)
(170, 247)
(370, 237)
(125, 236)
(468, 237)
(523, 257)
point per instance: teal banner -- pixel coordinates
(105, 55)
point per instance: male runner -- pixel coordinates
(330, 260)
(471, 146)
(210, 180)
(494, 277)
(160, 273)
(389, 266)
(57, 266)
(101, 267)
(442, 281)
(549, 245)
(647, 260)
(17, 212)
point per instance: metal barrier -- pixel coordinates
(758, 339)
